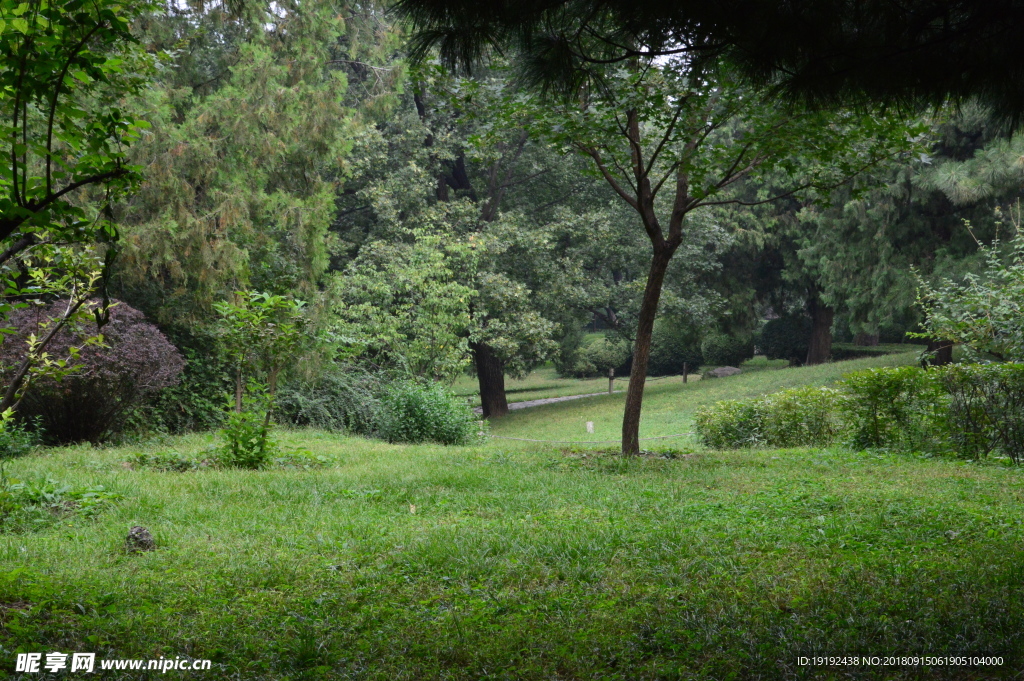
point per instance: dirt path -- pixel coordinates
(546, 400)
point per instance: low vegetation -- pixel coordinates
(527, 561)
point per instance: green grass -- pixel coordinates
(669, 404)
(530, 561)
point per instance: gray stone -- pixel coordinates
(722, 372)
(139, 539)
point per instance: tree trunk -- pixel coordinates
(821, 332)
(943, 352)
(642, 350)
(491, 376)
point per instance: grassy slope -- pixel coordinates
(668, 404)
(532, 563)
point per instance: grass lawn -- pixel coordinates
(524, 561)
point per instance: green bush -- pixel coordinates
(722, 350)
(247, 441)
(809, 416)
(598, 357)
(412, 412)
(986, 408)
(787, 337)
(895, 408)
(730, 424)
(335, 401)
(791, 418)
(16, 440)
(674, 343)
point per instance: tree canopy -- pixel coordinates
(822, 51)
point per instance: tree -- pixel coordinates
(261, 332)
(67, 66)
(826, 51)
(984, 312)
(653, 127)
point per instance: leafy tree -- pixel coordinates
(652, 127)
(822, 52)
(984, 312)
(66, 70)
(405, 303)
(260, 332)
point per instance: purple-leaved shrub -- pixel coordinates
(134, 361)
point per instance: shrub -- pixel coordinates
(730, 424)
(335, 401)
(895, 408)
(721, 350)
(986, 408)
(791, 418)
(196, 402)
(247, 441)
(809, 416)
(15, 439)
(135, 360)
(787, 337)
(673, 344)
(598, 357)
(412, 412)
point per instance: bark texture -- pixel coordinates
(491, 376)
(820, 348)
(642, 350)
(943, 352)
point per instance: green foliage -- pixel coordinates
(730, 424)
(985, 312)
(252, 126)
(596, 358)
(986, 408)
(722, 350)
(67, 68)
(408, 303)
(897, 408)
(247, 439)
(674, 343)
(787, 337)
(791, 418)
(413, 412)
(336, 400)
(38, 504)
(15, 438)
(260, 332)
(165, 461)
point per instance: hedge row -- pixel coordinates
(973, 410)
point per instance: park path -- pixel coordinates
(546, 400)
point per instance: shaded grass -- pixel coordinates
(531, 562)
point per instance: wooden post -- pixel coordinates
(611, 380)
(684, 372)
